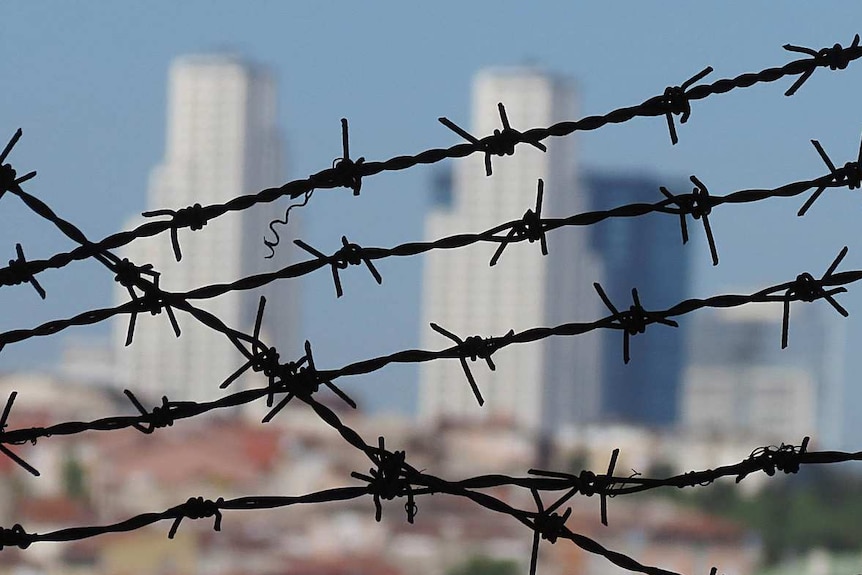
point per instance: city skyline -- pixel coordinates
(86, 83)
(91, 103)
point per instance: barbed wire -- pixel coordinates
(531, 227)
(387, 482)
(151, 299)
(302, 378)
(393, 478)
(390, 476)
(348, 173)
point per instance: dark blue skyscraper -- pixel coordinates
(646, 253)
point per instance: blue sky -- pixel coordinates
(87, 83)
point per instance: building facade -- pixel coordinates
(646, 253)
(222, 142)
(536, 386)
(740, 382)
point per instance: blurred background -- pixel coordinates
(138, 107)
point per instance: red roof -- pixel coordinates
(58, 509)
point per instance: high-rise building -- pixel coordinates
(646, 253)
(536, 386)
(222, 142)
(739, 380)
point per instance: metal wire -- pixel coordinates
(390, 475)
(347, 173)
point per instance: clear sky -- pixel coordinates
(87, 83)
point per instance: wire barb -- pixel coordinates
(675, 101)
(151, 299)
(530, 227)
(346, 169)
(5, 450)
(586, 483)
(388, 480)
(633, 321)
(261, 359)
(160, 416)
(18, 272)
(344, 173)
(547, 524)
(349, 254)
(197, 508)
(836, 58)
(500, 143)
(784, 458)
(193, 217)
(849, 175)
(15, 537)
(9, 179)
(301, 379)
(806, 288)
(474, 347)
(697, 204)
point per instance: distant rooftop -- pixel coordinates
(218, 58)
(522, 70)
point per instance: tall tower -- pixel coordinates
(222, 142)
(644, 253)
(536, 386)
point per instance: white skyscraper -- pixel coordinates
(536, 386)
(222, 142)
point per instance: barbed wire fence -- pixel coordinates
(390, 476)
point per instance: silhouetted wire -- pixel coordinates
(127, 274)
(287, 378)
(696, 203)
(531, 227)
(348, 173)
(386, 482)
(394, 478)
(850, 174)
(298, 380)
(391, 477)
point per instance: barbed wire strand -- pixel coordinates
(394, 478)
(698, 203)
(347, 173)
(531, 227)
(391, 477)
(404, 481)
(127, 274)
(287, 378)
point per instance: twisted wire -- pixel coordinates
(287, 382)
(391, 477)
(412, 484)
(680, 205)
(340, 176)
